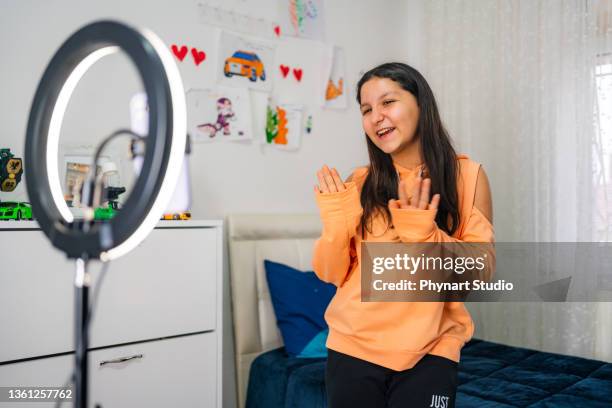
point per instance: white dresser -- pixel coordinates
(162, 301)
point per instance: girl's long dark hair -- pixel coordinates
(437, 151)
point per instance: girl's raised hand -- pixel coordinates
(329, 181)
(416, 198)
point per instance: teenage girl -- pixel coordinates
(415, 189)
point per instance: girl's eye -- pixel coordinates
(387, 102)
(363, 112)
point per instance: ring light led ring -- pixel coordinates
(165, 144)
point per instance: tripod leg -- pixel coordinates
(81, 309)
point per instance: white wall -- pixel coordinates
(227, 178)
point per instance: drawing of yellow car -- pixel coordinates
(244, 63)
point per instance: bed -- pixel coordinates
(490, 374)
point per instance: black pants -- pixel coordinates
(355, 383)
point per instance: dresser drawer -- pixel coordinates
(166, 286)
(180, 372)
(45, 372)
(36, 302)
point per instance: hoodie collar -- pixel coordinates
(403, 171)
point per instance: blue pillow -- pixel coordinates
(299, 300)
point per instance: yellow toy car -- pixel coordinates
(245, 63)
(186, 215)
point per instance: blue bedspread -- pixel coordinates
(490, 375)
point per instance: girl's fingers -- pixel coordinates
(322, 183)
(416, 192)
(329, 179)
(401, 192)
(420, 198)
(394, 204)
(424, 200)
(435, 202)
(336, 176)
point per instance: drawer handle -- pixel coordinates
(120, 359)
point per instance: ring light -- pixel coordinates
(165, 144)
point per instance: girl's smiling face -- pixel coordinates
(389, 115)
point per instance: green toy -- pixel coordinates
(11, 210)
(112, 195)
(104, 213)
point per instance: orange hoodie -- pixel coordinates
(395, 335)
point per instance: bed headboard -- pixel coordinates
(283, 238)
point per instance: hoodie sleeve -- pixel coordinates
(413, 225)
(334, 252)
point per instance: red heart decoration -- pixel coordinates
(198, 56)
(179, 53)
(277, 31)
(297, 72)
(284, 70)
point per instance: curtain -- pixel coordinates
(517, 86)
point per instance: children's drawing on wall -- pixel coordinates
(219, 115)
(335, 93)
(244, 61)
(259, 106)
(283, 126)
(302, 70)
(245, 16)
(225, 114)
(302, 18)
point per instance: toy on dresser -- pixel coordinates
(11, 170)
